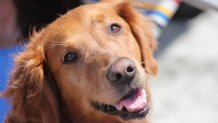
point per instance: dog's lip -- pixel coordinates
(127, 110)
(135, 115)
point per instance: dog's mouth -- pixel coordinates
(132, 106)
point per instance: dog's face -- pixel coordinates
(97, 63)
(100, 57)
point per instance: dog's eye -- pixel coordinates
(115, 28)
(70, 57)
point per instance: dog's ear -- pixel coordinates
(29, 89)
(142, 31)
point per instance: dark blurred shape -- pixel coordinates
(38, 13)
(186, 11)
(177, 26)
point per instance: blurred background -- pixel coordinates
(186, 88)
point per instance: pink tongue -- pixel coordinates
(133, 104)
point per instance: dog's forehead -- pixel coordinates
(93, 12)
(80, 26)
(83, 18)
(83, 15)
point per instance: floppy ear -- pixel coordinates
(30, 91)
(142, 31)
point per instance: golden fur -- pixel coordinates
(43, 89)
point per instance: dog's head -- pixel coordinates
(92, 62)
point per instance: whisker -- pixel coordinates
(147, 71)
(56, 43)
(142, 62)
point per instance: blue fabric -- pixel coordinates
(6, 64)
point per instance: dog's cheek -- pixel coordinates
(141, 75)
(135, 48)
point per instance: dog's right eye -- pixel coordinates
(70, 57)
(115, 28)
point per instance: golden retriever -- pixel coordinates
(91, 65)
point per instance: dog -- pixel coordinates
(91, 65)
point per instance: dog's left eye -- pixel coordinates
(115, 28)
(70, 57)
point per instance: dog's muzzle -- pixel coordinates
(133, 105)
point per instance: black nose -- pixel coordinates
(122, 71)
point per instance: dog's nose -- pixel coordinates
(122, 71)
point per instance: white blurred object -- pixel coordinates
(186, 87)
(203, 4)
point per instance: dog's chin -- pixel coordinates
(132, 106)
